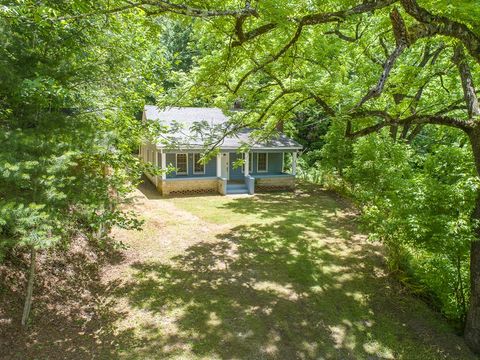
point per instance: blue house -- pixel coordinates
(242, 164)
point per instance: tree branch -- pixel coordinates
(323, 104)
(318, 18)
(401, 38)
(322, 18)
(469, 94)
(388, 120)
(436, 24)
(162, 6)
(249, 35)
(416, 130)
(274, 100)
(342, 36)
(292, 41)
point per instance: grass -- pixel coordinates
(274, 276)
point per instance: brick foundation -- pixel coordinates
(188, 187)
(274, 184)
(218, 186)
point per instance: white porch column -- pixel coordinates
(164, 165)
(245, 165)
(155, 153)
(219, 165)
(294, 163)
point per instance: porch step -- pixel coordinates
(237, 189)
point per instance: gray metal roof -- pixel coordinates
(192, 127)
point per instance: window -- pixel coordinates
(250, 162)
(198, 168)
(262, 162)
(182, 164)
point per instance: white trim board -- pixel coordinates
(250, 159)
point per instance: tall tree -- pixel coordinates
(381, 64)
(399, 65)
(68, 92)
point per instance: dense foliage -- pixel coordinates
(389, 70)
(69, 90)
(392, 80)
(416, 198)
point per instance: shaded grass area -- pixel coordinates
(274, 276)
(72, 314)
(282, 276)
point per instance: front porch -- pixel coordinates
(261, 171)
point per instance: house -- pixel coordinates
(191, 129)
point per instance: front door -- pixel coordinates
(225, 165)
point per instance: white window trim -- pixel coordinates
(266, 163)
(250, 159)
(194, 163)
(186, 157)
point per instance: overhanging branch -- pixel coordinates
(432, 24)
(249, 35)
(273, 58)
(155, 7)
(469, 93)
(402, 42)
(317, 18)
(388, 120)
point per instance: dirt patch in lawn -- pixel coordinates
(72, 314)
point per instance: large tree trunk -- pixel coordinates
(28, 297)
(472, 324)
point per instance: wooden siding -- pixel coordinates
(210, 167)
(274, 162)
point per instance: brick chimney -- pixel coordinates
(279, 126)
(238, 104)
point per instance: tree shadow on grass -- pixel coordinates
(299, 284)
(302, 285)
(72, 314)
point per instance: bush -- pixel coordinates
(417, 200)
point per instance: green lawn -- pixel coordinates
(277, 276)
(280, 276)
